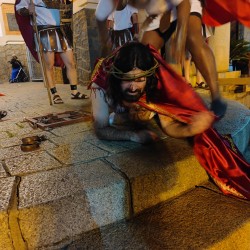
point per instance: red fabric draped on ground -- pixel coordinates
(27, 32)
(217, 155)
(218, 12)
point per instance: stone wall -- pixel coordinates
(86, 43)
(81, 47)
(6, 53)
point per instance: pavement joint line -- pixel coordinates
(218, 192)
(17, 238)
(124, 176)
(6, 169)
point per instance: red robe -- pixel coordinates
(27, 32)
(218, 12)
(217, 154)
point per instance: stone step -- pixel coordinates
(58, 204)
(76, 183)
(199, 219)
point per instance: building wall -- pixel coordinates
(6, 53)
(81, 47)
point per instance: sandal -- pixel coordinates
(2, 114)
(78, 95)
(202, 85)
(57, 99)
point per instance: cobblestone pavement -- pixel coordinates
(76, 183)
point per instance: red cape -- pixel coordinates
(27, 32)
(218, 12)
(217, 154)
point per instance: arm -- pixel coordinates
(183, 12)
(103, 10)
(25, 8)
(135, 25)
(199, 123)
(102, 128)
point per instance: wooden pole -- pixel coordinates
(40, 56)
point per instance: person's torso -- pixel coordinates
(46, 16)
(122, 18)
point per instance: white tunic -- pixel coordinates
(122, 18)
(105, 7)
(44, 16)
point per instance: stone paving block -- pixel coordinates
(81, 152)
(159, 171)
(90, 137)
(2, 171)
(72, 129)
(6, 185)
(59, 204)
(30, 163)
(6, 153)
(47, 186)
(5, 239)
(200, 219)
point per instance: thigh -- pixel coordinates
(153, 38)
(49, 58)
(67, 57)
(194, 28)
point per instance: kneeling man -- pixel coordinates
(132, 77)
(135, 85)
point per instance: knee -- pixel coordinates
(70, 65)
(49, 66)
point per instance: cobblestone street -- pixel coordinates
(70, 192)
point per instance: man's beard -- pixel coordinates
(131, 97)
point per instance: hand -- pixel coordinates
(31, 9)
(201, 122)
(136, 37)
(144, 136)
(219, 107)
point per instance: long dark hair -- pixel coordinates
(131, 55)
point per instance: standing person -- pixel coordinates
(53, 40)
(156, 7)
(123, 24)
(202, 55)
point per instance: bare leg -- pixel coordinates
(187, 69)
(68, 60)
(49, 58)
(202, 55)
(152, 37)
(198, 76)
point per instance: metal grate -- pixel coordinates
(35, 71)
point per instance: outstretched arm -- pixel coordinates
(199, 123)
(104, 131)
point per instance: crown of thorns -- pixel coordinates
(117, 73)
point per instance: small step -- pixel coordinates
(201, 219)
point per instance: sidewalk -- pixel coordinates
(76, 183)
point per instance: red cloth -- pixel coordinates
(217, 155)
(27, 32)
(218, 12)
